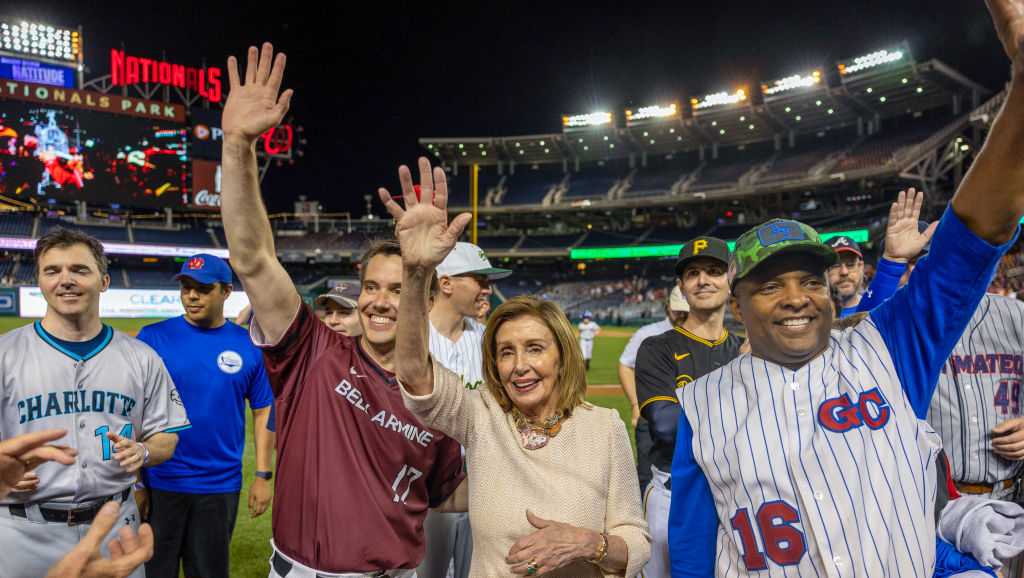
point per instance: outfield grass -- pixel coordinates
(250, 547)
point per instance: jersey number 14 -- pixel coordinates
(105, 444)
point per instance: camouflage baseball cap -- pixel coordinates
(772, 238)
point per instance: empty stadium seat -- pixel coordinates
(193, 237)
(529, 186)
(16, 224)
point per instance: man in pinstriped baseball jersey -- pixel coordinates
(110, 391)
(810, 455)
(977, 405)
(456, 342)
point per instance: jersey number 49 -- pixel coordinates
(784, 543)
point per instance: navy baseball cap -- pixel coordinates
(206, 269)
(843, 243)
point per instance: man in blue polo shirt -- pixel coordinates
(194, 496)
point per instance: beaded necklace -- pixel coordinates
(535, 436)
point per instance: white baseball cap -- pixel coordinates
(467, 258)
(676, 301)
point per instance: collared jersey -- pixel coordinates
(669, 362)
(356, 470)
(120, 387)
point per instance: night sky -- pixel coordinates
(372, 77)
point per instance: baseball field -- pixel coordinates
(250, 547)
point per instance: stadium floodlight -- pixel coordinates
(876, 58)
(40, 40)
(655, 111)
(791, 83)
(647, 251)
(586, 120)
(719, 99)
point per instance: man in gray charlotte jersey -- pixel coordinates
(977, 404)
(109, 391)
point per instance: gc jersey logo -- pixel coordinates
(842, 414)
(229, 362)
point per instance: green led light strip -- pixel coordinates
(648, 251)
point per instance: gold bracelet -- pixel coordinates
(602, 551)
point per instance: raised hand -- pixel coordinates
(1008, 18)
(22, 454)
(903, 240)
(255, 107)
(422, 227)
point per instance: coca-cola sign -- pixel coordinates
(207, 199)
(205, 184)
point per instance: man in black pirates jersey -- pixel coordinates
(673, 359)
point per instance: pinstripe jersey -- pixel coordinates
(828, 469)
(822, 471)
(979, 387)
(464, 357)
(121, 387)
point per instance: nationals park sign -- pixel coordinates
(89, 100)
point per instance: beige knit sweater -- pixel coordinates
(585, 476)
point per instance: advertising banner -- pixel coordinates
(129, 303)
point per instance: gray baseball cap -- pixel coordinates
(344, 294)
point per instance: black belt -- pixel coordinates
(72, 517)
(282, 567)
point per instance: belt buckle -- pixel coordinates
(72, 518)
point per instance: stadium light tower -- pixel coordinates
(42, 42)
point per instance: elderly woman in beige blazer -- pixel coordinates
(552, 482)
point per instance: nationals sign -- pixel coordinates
(127, 69)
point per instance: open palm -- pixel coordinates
(422, 227)
(255, 107)
(903, 240)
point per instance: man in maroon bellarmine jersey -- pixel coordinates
(356, 471)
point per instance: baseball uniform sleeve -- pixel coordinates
(655, 376)
(923, 320)
(885, 283)
(692, 519)
(259, 393)
(448, 472)
(163, 411)
(949, 562)
(288, 361)
(624, 512)
(450, 408)
(628, 357)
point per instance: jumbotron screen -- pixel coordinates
(68, 154)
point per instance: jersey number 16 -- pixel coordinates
(783, 542)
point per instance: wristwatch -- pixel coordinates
(265, 475)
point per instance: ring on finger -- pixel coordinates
(532, 568)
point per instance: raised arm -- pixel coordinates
(990, 200)
(426, 238)
(253, 108)
(903, 242)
